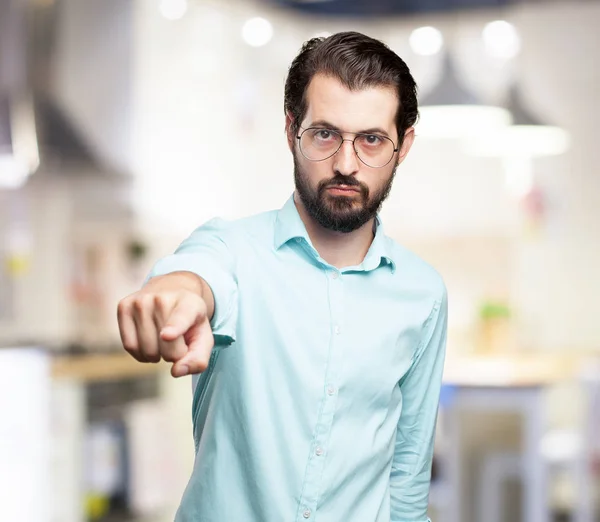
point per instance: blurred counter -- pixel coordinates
(518, 370)
(480, 370)
(101, 367)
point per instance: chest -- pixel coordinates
(314, 324)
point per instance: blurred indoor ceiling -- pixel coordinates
(375, 8)
(35, 131)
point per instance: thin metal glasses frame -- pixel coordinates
(356, 135)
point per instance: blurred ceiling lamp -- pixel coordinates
(173, 9)
(519, 143)
(426, 41)
(19, 155)
(526, 136)
(451, 111)
(257, 32)
(501, 39)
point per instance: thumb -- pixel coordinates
(200, 344)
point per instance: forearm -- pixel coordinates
(409, 490)
(415, 437)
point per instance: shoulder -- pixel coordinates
(416, 273)
(233, 232)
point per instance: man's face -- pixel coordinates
(342, 193)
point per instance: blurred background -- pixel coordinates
(124, 124)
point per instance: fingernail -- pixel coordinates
(182, 371)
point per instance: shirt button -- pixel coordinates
(335, 275)
(337, 330)
(330, 389)
(319, 451)
(306, 513)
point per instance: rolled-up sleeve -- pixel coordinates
(410, 476)
(206, 253)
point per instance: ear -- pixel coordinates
(409, 138)
(291, 137)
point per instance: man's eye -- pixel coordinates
(373, 139)
(324, 134)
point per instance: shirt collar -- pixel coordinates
(289, 226)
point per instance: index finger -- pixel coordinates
(200, 346)
(183, 316)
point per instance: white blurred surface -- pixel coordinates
(24, 435)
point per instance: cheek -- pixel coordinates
(316, 172)
(376, 180)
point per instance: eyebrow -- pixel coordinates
(328, 125)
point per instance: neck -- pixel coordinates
(339, 249)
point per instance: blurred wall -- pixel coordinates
(213, 119)
(196, 115)
(93, 74)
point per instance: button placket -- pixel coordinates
(311, 490)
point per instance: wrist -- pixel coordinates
(177, 281)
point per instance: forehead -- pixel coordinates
(329, 100)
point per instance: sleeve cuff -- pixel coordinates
(221, 283)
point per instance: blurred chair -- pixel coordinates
(587, 466)
(577, 451)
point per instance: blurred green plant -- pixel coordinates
(494, 310)
(136, 250)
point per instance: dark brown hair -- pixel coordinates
(358, 62)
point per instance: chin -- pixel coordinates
(341, 203)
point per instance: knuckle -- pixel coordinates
(130, 346)
(123, 307)
(160, 301)
(143, 302)
(135, 354)
(170, 356)
(153, 358)
(137, 305)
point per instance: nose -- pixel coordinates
(346, 161)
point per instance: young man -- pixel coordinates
(317, 342)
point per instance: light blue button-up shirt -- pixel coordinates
(320, 399)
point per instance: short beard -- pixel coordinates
(339, 213)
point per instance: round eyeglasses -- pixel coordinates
(319, 144)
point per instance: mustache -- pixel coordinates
(349, 181)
